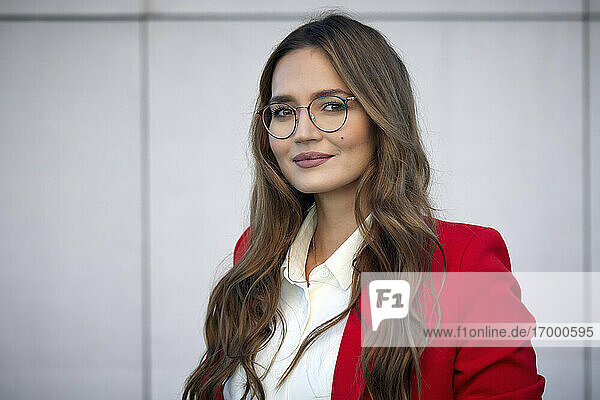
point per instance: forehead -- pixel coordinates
(302, 72)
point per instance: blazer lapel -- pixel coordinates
(348, 381)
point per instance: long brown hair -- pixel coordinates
(242, 312)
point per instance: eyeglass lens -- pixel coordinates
(328, 114)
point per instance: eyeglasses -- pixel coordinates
(327, 112)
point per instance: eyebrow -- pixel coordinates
(286, 98)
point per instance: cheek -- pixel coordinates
(274, 146)
(279, 148)
(356, 140)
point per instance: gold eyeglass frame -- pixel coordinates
(262, 110)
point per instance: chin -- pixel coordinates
(310, 188)
(318, 186)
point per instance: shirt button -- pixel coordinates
(324, 273)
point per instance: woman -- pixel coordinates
(341, 187)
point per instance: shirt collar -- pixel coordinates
(339, 263)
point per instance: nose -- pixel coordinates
(305, 128)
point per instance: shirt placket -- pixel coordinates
(308, 317)
(304, 300)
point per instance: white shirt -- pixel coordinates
(304, 308)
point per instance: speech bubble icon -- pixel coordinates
(389, 298)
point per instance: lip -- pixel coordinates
(311, 159)
(311, 155)
(311, 163)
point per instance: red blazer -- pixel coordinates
(496, 373)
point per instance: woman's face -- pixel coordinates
(299, 75)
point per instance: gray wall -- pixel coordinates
(124, 171)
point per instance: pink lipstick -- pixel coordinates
(311, 159)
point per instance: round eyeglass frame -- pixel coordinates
(261, 112)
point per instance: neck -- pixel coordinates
(335, 219)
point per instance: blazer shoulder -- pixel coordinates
(466, 247)
(241, 246)
(470, 247)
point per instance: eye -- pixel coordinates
(334, 106)
(280, 111)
